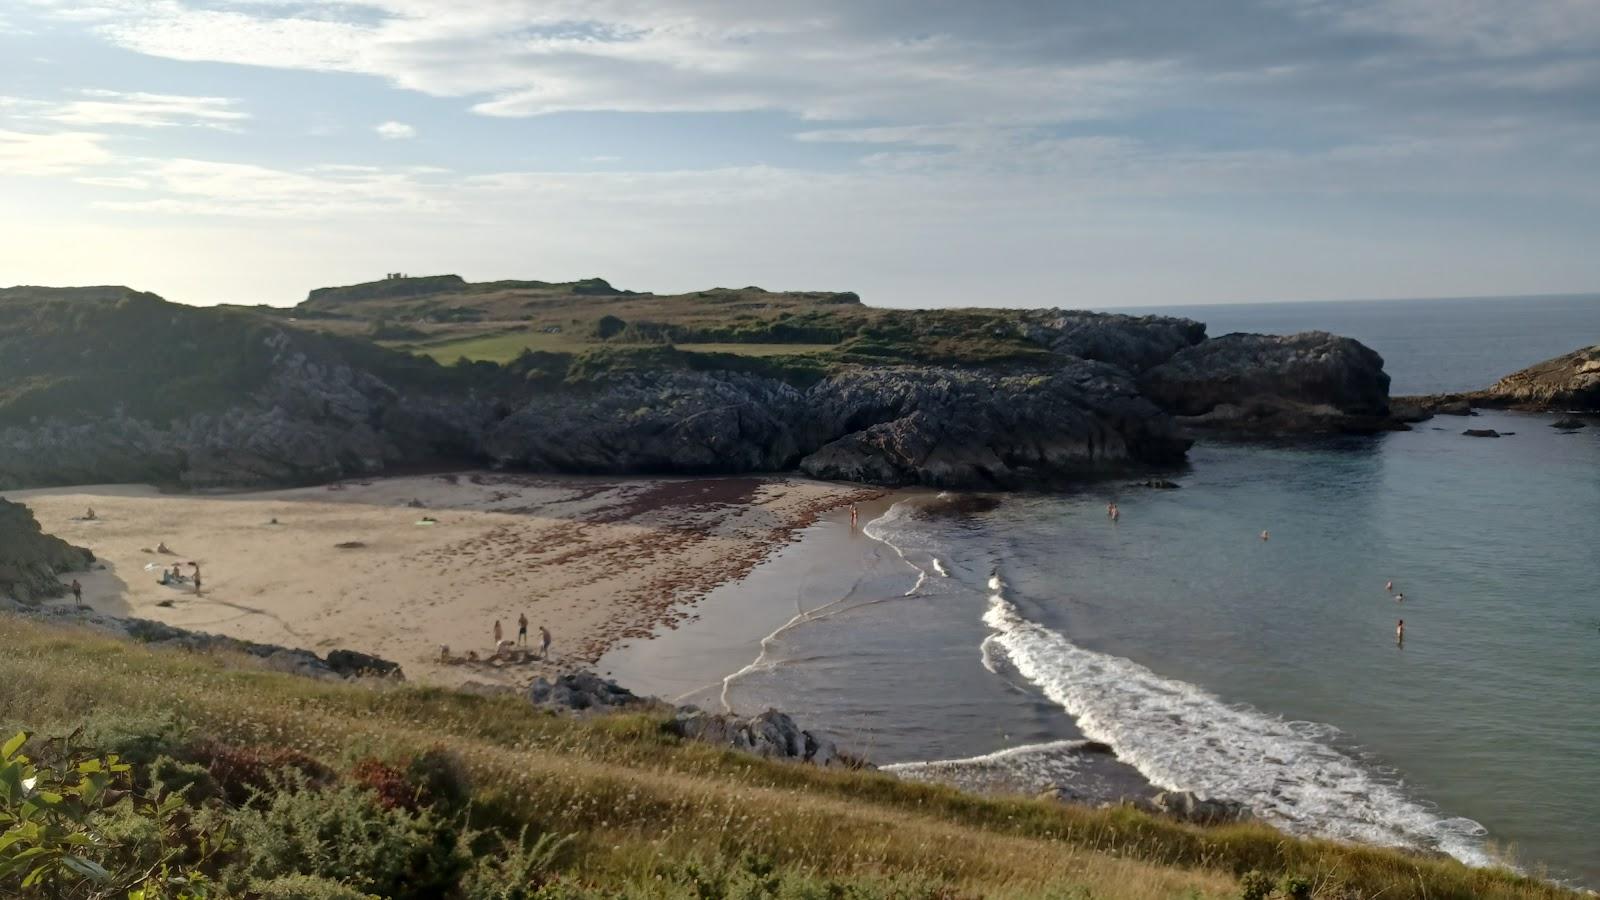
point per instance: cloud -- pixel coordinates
(104, 107)
(395, 131)
(59, 153)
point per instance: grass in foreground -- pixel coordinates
(643, 815)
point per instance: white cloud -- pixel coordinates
(395, 131)
(59, 153)
(103, 107)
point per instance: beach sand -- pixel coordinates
(352, 565)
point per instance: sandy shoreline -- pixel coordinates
(596, 560)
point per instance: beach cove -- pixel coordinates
(400, 567)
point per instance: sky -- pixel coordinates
(919, 152)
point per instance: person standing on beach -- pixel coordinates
(498, 634)
(522, 629)
(77, 593)
(544, 642)
(196, 577)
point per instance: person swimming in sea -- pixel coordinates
(1265, 536)
(1113, 511)
(1400, 633)
(1388, 585)
(1399, 598)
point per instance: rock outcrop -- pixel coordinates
(31, 562)
(961, 428)
(1040, 397)
(1311, 382)
(339, 664)
(1566, 383)
(771, 735)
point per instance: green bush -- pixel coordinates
(307, 887)
(1254, 886)
(1296, 887)
(344, 834)
(72, 825)
(517, 871)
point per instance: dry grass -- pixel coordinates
(641, 803)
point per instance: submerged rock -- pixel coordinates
(1569, 423)
(1481, 432)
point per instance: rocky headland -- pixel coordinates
(1566, 384)
(120, 386)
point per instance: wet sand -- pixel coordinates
(358, 565)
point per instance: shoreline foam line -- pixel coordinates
(1181, 737)
(815, 614)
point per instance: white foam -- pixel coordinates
(939, 567)
(1181, 737)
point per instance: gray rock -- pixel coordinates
(1188, 806)
(772, 735)
(1311, 382)
(1569, 423)
(1570, 382)
(580, 691)
(32, 562)
(353, 663)
(1481, 432)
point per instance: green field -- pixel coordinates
(502, 348)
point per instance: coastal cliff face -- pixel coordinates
(126, 387)
(1266, 383)
(30, 560)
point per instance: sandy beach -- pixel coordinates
(400, 566)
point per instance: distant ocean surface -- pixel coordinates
(1260, 671)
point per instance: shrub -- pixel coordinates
(74, 827)
(344, 834)
(518, 871)
(393, 789)
(1254, 886)
(242, 773)
(441, 780)
(609, 326)
(1296, 887)
(307, 887)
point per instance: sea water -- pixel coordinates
(1262, 671)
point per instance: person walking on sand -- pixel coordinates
(1400, 633)
(544, 642)
(522, 629)
(196, 577)
(77, 593)
(498, 634)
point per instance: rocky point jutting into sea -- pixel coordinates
(113, 385)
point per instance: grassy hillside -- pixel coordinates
(640, 814)
(446, 318)
(94, 350)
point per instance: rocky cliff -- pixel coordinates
(1570, 382)
(131, 388)
(32, 561)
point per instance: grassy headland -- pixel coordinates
(650, 816)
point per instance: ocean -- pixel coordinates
(984, 648)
